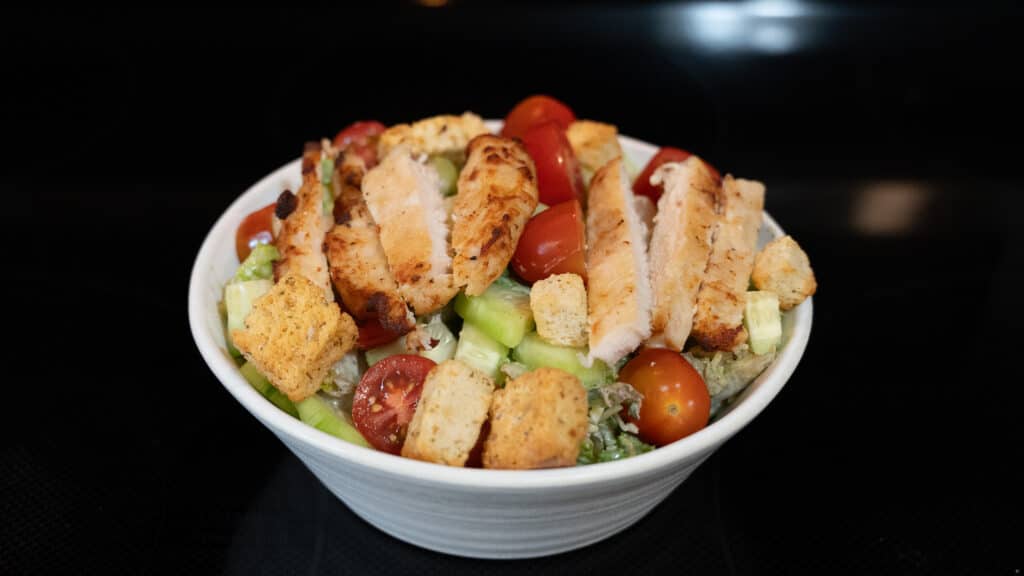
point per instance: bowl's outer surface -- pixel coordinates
(471, 512)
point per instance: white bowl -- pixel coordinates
(474, 512)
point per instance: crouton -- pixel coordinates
(718, 320)
(497, 195)
(452, 408)
(446, 134)
(594, 144)
(782, 267)
(537, 421)
(293, 335)
(619, 298)
(559, 304)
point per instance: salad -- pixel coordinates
(527, 299)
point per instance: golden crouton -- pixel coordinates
(452, 409)
(444, 134)
(782, 267)
(559, 305)
(537, 421)
(293, 335)
(594, 144)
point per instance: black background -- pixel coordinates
(888, 136)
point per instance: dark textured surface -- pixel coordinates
(887, 136)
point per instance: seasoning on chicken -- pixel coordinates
(718, 320)
(618, 291)
(404, 199)
(497, 195)
(302, 232)
(359, 268)
(680, 246)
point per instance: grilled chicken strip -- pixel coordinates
(445, 134)
(404, 199)
(359, 268)
(718, 321)
(497, 195)
(619, 291)
(302, 232)
(680, 246)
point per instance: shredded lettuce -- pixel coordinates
(258, 265)
(726, 374)
(609, 437)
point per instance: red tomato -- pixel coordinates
(362, 138)
(676, 401)
(558, 173)
(643, 186)
(386, 399)
(255, 229)
(533, 111)
(552, 243)
(372, 334)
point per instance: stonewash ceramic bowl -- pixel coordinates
(474, 512)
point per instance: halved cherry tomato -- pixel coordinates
(255, 229)
(372, 334)
(533, 111)
(552, 243)
(643, 187)
(362, 138)
(676, 401)
(558, 173)
(386, 398)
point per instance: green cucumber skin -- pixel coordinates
(536, 353)
(480, 351)
(502, 311)
(264, 387)
(319, 414)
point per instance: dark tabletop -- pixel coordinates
(889, 139)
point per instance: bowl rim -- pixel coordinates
(755, 398)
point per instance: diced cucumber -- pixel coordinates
(481, 351)
(535, 353)
(446, 343)
(447, 172)
(502, 311)
(397, 346)
(763, 320)
(326, 175)
(319, 414)
(258, 265)
(264, 387)
(238, 299)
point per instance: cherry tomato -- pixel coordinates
(386, 398)
(676, 401)
(643, 186)
(552, 243)
(558, 173)
(533, 111)
(362, 138)
(372, 334)
(255, 229)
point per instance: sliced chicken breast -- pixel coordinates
(404, 199)
(301, 239)
(497, 195)
(619, 291)
(680, 246)
(358, 265)
(718, 320)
